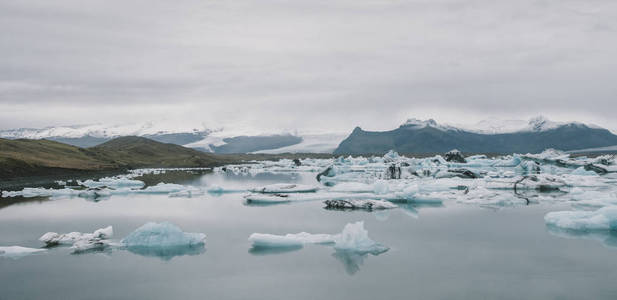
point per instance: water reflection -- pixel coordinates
(607, 238)
(6, 202)
(167, 253)
(256, 250)
(352, 260)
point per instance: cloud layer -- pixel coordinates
(307, 65)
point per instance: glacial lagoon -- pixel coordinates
(480, 240)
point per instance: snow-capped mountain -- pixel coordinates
(428, 136)
(494, 125)
(199, 137)
(100, 130)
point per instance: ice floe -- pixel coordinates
(353, 238)
(367, 204)
(602, 219)
(15, 252)
(285, 188)
(289, 240)
(80, 242)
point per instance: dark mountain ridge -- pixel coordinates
(430, 138)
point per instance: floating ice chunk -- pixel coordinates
(582, 172)
(163, 188)
(53, 238)
(162, 234)
(188, 193)
(602, 219)
(268, 198)
(285, 188)
(15, 252)
(39, 192)
(367, 204)
(94, 193)
(355, 238)
(90, 245)
(215, 189)
(391, 156)
(485, 197)
(112, 182)
(381, 187)
(508, 161)
(543, 183)
(352, 187)
(289, 240)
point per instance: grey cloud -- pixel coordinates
(327, 65)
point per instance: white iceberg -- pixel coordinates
(289, 240)
(112, 182)
(188, 193)
(15, 252)
(601, 219)
(162, 234)
(53, 238)
(163, 188)
(354, 238)
(40, 192)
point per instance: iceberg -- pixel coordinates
(215, 189)
(289, 240)
(602, 219)
(16, 252)
(367, 204)
(285, 188)
(162, 234)
(163, 188)
(112, 182)
(188, 193)
(53, 238)
(40, 192)
(354, 238)
(80, 242)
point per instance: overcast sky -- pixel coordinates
(310, 65)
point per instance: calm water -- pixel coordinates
(445, 252)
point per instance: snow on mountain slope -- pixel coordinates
(311, 143)
(494, 125)
(599, 149)
(103, 131)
